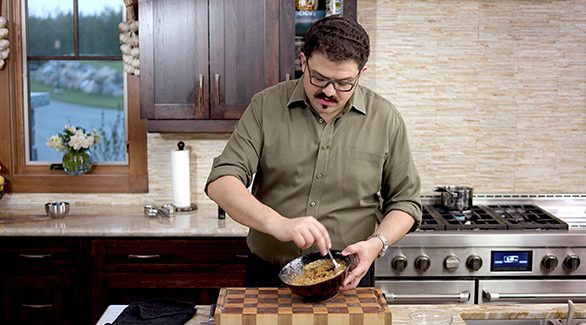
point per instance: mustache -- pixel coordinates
(322, 95)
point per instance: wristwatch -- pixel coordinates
(383, 240)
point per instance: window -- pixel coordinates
(68, 70)
(74, 76)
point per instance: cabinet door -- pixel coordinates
(244, 53)
(174, 59)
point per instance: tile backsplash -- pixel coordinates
(493, 93)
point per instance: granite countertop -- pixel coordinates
(490, 311)
(461, 312)
(130, 221)
(115, 221)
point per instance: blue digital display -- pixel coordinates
(501, 261)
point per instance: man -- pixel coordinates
(321, 149)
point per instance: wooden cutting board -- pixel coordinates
(268, 306)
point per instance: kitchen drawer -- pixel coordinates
(43, 306)
(39, 256)
(161, 255)
(171, 263)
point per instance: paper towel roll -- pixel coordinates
(180, 178)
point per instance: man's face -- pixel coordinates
(329, 85)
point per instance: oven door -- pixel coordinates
(427, 291)
(531, 291)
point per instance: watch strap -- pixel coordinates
(383, 240)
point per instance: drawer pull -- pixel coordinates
(34, 306)
(143, 257)
(241, 256)
(35, 256)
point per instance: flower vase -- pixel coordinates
(77, 163)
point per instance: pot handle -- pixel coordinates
(444, 189)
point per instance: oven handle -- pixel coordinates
(496, 296)
(463, 296)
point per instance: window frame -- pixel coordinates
(23, 178)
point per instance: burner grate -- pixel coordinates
(428, 222)
(527, 217)
(474, 219)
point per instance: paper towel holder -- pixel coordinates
(192, 207)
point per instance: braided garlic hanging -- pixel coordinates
(4, 43)
(129, 46)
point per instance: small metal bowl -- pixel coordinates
(319, 291)
(57, 209)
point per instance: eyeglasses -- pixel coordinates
(343, 86)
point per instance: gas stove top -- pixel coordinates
(490, 217)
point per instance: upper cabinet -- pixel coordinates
(202, 61)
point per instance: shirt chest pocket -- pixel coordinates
(363, 172)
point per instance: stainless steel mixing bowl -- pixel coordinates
(57, 209)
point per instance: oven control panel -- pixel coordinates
(482, 261)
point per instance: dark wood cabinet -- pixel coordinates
(202, 61)
(187, 269)
(44, 281)
(68, 280)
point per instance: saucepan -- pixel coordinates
(322, 289)
(456, 197)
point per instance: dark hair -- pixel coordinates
(339, 39)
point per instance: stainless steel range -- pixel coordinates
(500, 251)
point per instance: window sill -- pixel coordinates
(60, 182)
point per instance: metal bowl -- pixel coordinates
(318, 291)
(57, 209)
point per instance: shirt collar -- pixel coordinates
(297, 99)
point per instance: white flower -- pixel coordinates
(73, 138)
(55, 143)
(77, 140)
(88, 141)
(71, 128)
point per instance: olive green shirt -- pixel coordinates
(303, 166)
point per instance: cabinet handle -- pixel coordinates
(287, 77)
(34, 306)
(143, 257)
(241, 256)
(200, 90)
(218, 92)
(35, 256)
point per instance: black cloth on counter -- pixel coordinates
(158, 311)
(260, 273)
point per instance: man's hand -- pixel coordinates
(304, 232)
(365, 252)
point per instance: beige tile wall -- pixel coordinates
(493, 92)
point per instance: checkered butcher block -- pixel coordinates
(264, 306)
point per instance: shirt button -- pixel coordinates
(319, 175)
(321, 120)
(313, 204)
(324, 147)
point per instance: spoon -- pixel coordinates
(333, 260)
(570, 312)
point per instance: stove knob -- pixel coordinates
(474, 263)
(451, 263)
(422, 263)
(549, 262)
(399, 263)
(571, 262)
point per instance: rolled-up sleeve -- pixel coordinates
(401, 186)
(241, 154)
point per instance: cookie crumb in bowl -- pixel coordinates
(315, 282)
